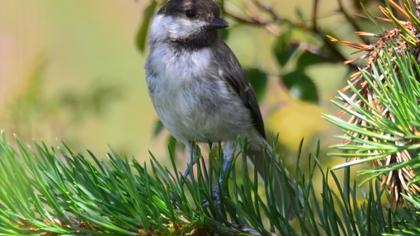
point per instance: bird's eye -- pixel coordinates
(190, 13)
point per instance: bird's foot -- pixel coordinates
(216, 199)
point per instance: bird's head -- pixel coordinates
(190, 23)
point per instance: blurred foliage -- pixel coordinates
(301, 86)
(258, 80)
(65, 109)
(148, 13)
(90, 84)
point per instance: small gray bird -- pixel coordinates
(196, 83)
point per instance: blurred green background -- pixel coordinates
(70, 71)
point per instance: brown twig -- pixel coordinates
(316, 30)
(316, 51)
(268, 9)
(351, 20)
(276, 19)
(315, 15)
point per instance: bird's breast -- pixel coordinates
(191, 101)
(178, 77)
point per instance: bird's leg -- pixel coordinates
(191, 159)
(228, 151)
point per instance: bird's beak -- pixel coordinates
(218, 23)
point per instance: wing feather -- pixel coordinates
(235, 78)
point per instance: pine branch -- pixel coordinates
(51, 191)
(381, 105)
(386, 122)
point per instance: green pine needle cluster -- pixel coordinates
(388, 134)
(53, 191)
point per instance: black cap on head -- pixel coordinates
(194, 23)
(205, 10)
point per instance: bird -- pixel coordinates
(197, 85)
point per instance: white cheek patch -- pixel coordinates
(173, 28)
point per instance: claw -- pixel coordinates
(216, 198)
